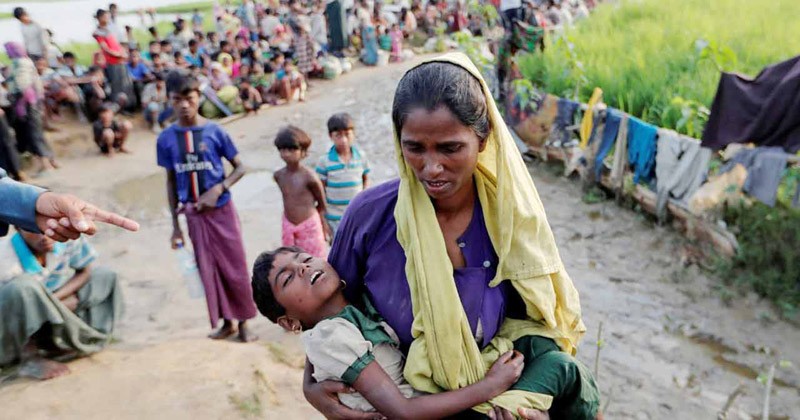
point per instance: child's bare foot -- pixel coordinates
(226, 331)
(245, 336)
(123, 150)
(42, 369)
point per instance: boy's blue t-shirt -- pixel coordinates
(195, 154)
(139, 72)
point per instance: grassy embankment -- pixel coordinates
(660, 61)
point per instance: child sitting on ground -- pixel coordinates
(110, 134)
(249, 96)
(343, 170)
(302, 293)
(384, 39)
(303, 195)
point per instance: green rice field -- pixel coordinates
(646, 53)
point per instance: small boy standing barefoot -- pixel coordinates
(191, 151)
(343, 170)
(303, 197)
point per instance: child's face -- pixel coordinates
(343, 138)
(292, 156)
(302, 284)
(106, 117)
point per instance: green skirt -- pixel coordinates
(550, 371)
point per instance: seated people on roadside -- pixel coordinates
(212, 44)
(180, 60)
(249, 96)
(219, 78)
(71, 69)
(57, 91)
(195, 56)
(155, 104)
(110, 133)
(96, 92)
(140, 73)
(153, 49)
(167, 54)
(158, 65)
(265, 84)
(289, 83)
(65, 304)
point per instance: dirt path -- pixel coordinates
(671, 349)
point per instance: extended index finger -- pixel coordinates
(110, 218)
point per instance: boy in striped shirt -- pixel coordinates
(343, 170)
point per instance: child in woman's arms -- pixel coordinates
(302, 293)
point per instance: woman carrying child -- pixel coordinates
(458, 258)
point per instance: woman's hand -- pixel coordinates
(324, 396)
(505, 372)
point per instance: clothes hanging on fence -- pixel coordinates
(642, 149)
(613, 119)
(617, 174)
(588, 117)
(723, 188)
(564, 119)
(764, 110)
(681, 167)
(765, 166)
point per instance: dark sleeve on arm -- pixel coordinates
(17, 204)
(349, 251)
(227, 149)
(163, 157)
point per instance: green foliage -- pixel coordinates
(644, 53)
(722, 56)
(694, 116)
(486, 11)
(767, 261)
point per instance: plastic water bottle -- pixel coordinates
(191, 276)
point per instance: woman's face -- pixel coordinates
(442, 152)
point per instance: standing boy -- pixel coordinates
(343, 170)
(191, 151)
(303, 195)
(34, 37)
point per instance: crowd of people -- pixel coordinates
(251, 53)
(261, 54)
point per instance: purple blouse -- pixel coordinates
(368, 256)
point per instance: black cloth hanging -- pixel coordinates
(764, 110)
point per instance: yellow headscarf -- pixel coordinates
(444, 354)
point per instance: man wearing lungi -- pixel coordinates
(191, 150)
(53, 300)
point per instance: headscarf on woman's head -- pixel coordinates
(15, 50)
(228, 69)
(444, 354)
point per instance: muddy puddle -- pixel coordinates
(143, 198)
(726, 357)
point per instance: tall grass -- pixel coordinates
(645, 53)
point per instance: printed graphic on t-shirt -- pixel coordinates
(193, 149)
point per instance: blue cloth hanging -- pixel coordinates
(642, 146)
(613, 118)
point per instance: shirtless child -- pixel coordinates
(303, 195)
